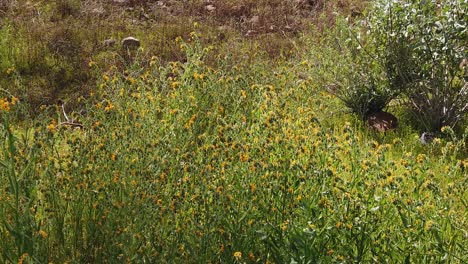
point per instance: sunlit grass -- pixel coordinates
(252, 163)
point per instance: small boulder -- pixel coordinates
(382, 121)
(121, 2)
(130, 43)
(98, 11)
(210, 8)
(109, 42)
(250, 33)
(254, 20)
(426, 137)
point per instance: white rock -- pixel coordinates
(210, 8)
(130, 43)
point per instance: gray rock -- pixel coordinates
(130, 43)
(98, 11)
(210, 8)
(426, 137)
(250, 33)
(254, 20)
(121, 1)
(109, 42)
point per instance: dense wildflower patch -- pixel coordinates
(189, 164)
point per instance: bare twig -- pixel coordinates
(73, 124)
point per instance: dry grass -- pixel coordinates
(60, 38)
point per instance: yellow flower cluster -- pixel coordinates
(10, 71)
(5, 104)
(237, 255)
(198, 76)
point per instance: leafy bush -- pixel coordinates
(422, 45)
(359, 78)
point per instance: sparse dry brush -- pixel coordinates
(52, 42)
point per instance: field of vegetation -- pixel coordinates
(236, 133)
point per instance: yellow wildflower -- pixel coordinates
(4, 105)
(421, 158)
(428, 225)
(10, 71)
(21, 259)
(131, 80)
(191, 121)
(43, 233)
(237, 255)
(284, 226)
(446, 129)
(51, 127)
(109, 107)
(198, 76)
(253, 187)
(175, 84)
(243, 94)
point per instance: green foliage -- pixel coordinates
(5, 51)
(404, 47)
(186, 163)
(359, 79)
(17, 207)
(215, 158)
(423, 47)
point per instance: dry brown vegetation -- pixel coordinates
(51, 43)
